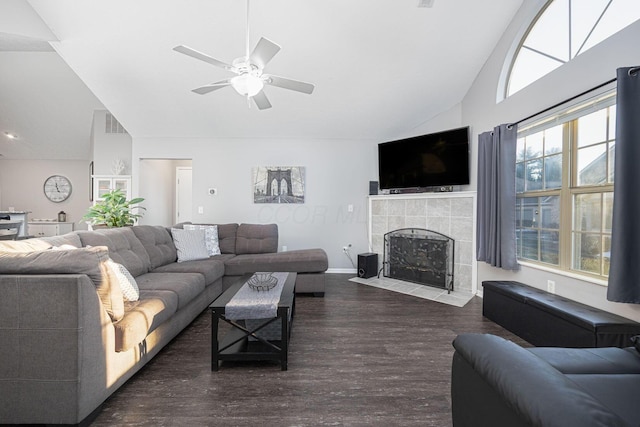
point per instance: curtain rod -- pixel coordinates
(632, 72)
(510, 125)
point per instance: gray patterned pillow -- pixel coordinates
(210, 236)
(128, 285)
(190, 244)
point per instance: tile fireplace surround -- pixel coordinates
(451, 214)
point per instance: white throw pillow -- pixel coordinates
(210, 236)
(190, 244)
(129, 286)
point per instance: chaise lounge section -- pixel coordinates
(248, 248)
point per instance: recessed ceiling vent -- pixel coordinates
(112, 125)
(425, 3)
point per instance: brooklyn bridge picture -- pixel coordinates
(278, 184)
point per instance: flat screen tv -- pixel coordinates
(425, 161)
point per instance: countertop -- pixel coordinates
(46, 221)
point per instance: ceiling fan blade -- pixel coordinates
(202, 57)
(285, 83)
(211, 87)
(263, 53)
(261, 100)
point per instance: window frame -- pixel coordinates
(503, 90)
(567, 116)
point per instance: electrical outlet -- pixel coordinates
(551, 286)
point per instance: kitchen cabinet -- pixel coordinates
(49, 228)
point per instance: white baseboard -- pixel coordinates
(342, 270)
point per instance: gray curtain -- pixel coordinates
(496, 218)
(624, 270)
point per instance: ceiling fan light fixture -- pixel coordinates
(247, 84)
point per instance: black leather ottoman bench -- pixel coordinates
(548, 320)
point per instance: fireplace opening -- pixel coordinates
(420, 256)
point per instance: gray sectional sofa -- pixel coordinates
(68, 338)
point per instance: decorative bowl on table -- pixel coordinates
(262, 282)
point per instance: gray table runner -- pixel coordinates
(250, 304)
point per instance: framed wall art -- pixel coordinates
(278, 184)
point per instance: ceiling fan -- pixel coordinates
(250, 79)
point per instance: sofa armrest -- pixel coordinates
(528, 389)
(52, 358)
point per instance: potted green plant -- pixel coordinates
(114, 210)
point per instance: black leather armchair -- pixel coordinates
(498, 383)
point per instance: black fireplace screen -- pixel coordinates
(420, 256)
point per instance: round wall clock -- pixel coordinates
(57, 188)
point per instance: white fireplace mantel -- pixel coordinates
(452, 214)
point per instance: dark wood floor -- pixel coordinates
(360, 356)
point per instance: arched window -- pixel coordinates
(563, 30)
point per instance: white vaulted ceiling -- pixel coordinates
(380, 67)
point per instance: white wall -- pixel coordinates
(480, 111)
(22, 183)
(449, 119)
(107, 147)
(337, 174)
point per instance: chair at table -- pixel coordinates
(9, 229)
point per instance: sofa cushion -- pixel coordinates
(186, 286)
(619, 393)
(28, 245)
(40, 243)
(66, 239)
(227, 238)
(607, 360)
(257, 239)
(190, 244)
(124, 247)
(299, 261)
(212, 269)
(143, 316)
(158, 243)
(90, 261)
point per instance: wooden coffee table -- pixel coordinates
(235, 345)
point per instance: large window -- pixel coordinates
(564, 30)
(564, 185)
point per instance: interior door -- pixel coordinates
(183, 194)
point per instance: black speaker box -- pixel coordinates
(367, 265)
(373, 188)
